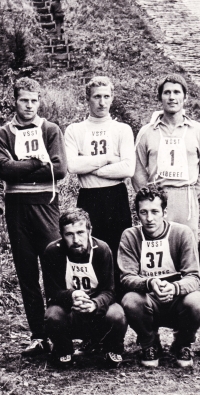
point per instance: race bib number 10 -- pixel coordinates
(29, 144)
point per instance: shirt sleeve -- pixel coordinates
(13, 170)
(126, 166)
(141, 176)
(185, 256)
(129, 254)
(77, 163)
(103, 266)
(197, 185)
(56, 149)
(54, 277)
(33, 170)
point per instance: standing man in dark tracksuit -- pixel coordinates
(32, 158)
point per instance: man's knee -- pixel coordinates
(133, 302)
(192, 303)
(116, 314)
(54, 315)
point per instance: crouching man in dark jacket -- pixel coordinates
(160, 276)
(79, 288)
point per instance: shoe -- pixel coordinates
(150, 357)
(64, 361)
(88, 347)
(36, 347)
(184, 357)
(113, 359)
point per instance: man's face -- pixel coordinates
(172, 97)
(100, 101)
(27, 104)
(151, 216)
(76, 237)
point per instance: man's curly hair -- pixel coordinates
(149, 193)
(27, 84)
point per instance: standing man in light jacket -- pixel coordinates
(101, 151)
(167, 153)
(159, 268)
(32, 158)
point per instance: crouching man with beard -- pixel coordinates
(79, 284)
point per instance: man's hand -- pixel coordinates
(82, 302)
(163, 290)
(112, 159)
(94, 172)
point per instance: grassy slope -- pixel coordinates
(111, 38)
(115, 39)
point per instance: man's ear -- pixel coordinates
(13, 101)
(165, 213)
(186, 98)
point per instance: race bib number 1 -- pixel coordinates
(172, 159)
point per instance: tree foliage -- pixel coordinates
(21, 51)
(117, 39)
(21, 35)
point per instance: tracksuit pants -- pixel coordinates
(183, 207)
(145, 314)
(110, 215)
(63, 326)
(31, 228)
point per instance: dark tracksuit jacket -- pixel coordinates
(31, 219)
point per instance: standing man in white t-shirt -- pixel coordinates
(167, 153)
(101, 151)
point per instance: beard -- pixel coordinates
(76, 252)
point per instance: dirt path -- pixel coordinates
(179, 21)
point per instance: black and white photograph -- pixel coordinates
(99, 197)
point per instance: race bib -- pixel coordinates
(97, 142)
(172, 162)
(156, 260)
(81, 276)
(29, 144)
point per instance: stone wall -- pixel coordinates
(179, 22)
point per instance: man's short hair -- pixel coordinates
(72, 215)
(175, 79)
(96, 82)
(27, 84)
(149, 193)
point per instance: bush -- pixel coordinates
(21, 34)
